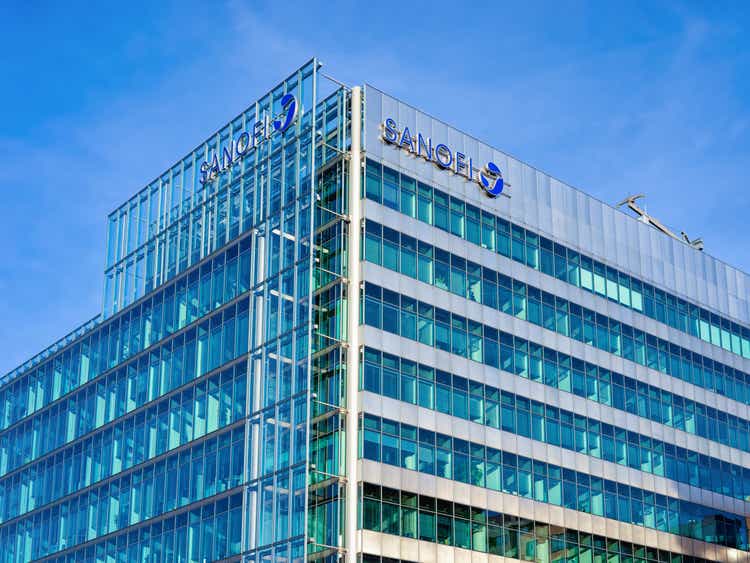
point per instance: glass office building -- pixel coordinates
(342, 330)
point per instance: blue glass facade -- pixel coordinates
(533, 377)
(174, 426)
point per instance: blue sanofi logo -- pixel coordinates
(247, 141)
(489, 178)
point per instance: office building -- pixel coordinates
(342, 330)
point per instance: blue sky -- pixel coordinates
(99, 98)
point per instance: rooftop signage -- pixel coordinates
(489, 177)
(247, 141)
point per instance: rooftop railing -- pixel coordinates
(50, 350)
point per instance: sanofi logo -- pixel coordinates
(289, 110)
(247, 141)
(489, 178)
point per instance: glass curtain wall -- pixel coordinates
(177, 428)
(180, 218)
(293, 506)
(327, 424)
(279, 357)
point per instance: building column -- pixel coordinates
(353, 297)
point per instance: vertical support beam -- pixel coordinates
(310, 298)
(352, 358)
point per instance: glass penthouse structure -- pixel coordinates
(342, 330)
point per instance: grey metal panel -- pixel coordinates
(545, 204)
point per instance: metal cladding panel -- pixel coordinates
(567, 215)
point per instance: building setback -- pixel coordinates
(342, 330)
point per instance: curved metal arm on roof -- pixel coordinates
(646, 218)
